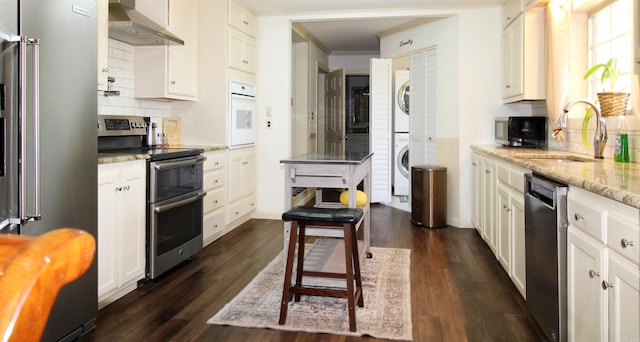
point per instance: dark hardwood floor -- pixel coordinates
(459, 290)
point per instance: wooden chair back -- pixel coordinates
(32, 271)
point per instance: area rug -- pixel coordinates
(387, 301)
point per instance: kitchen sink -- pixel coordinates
(556, 159)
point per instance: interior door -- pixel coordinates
(335, 112)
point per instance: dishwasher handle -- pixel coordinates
(541, 189)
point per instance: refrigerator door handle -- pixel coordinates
(36, 127)
(22, 114)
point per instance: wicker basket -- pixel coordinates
(613, 104)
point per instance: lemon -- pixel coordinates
(361, 198)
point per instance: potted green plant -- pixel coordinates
(612, 102)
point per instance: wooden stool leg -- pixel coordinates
(348, 249)
(300, 264)
(284, 303)
(356, 267)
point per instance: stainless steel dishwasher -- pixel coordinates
(546, 254)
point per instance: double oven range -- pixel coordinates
(174, 190)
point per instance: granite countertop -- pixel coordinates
(106, 158)
(605, 177)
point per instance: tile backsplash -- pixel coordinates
(121, 67)
(573, 137)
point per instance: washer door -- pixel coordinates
(403, 161)
(403, 97)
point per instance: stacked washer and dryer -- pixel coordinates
(401, 134)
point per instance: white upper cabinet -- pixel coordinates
(103, 43)
(242, 51)
(242, 19)
(523, 56)
(170, 72)
(241, 41)
(510, 10)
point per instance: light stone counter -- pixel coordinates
(605, 177)
(106, 158)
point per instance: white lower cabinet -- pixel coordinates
(602, 269)
(498, 212)
(121, 228)
(510, 248)
(241, 185)
(489, 190)
(586, 302)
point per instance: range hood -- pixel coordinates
(128, 25)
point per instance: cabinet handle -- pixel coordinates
(245, 22)
(126, 188)
(474, 164)
(105, 69)
(119, 188)
(578, 217)
(625, 243)
(606, 285)
(487, 171)
(508, 86)
(593, 274)
(173, 82)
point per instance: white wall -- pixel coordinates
(465, 113)
(353, 64)
(274, 89)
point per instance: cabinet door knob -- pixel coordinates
(578, 217)
(593, 274)
(119, 188)
(606, 285)
(508, 86)
(625, 243)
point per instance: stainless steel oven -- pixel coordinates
(174, 212)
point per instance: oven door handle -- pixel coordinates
(164, 208)
(180, 163)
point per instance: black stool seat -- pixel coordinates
(339, 218)
(333, 215)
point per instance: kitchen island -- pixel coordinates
(334, 171)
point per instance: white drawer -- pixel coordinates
(516, 178)
(213, 224)
(212, 180)
(215, 161)
(503, 173)
(623, 236)
(588, 217)
(240, 208)
(213, 200)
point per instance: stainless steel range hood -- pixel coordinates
(128, 25)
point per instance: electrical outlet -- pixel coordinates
(268, 124)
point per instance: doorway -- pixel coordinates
(357, 113)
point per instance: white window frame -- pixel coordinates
(600, 49)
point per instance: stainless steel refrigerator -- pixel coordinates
(48, 142)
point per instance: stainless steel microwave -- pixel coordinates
(521, 131)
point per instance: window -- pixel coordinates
(610, 36)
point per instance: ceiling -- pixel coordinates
(358, 35)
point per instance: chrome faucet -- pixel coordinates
(600, 138)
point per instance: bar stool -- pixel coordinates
(345, 218)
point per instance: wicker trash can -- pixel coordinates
(429, 196)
